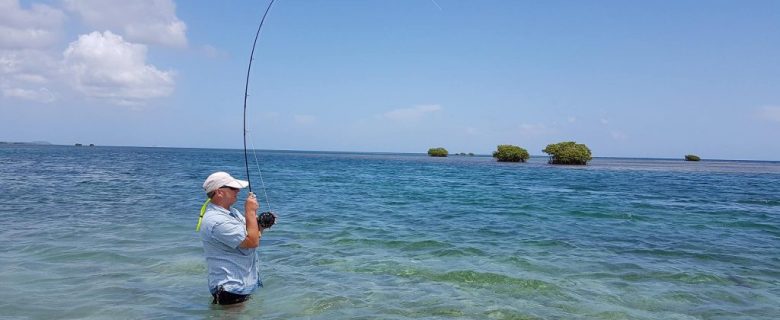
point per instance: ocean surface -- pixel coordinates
(108, 233)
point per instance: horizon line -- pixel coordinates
(45, 143)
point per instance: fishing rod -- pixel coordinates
(246, 87)
(265, 219)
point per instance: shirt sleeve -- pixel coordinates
(230, 233)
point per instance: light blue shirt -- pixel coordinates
(229, 265)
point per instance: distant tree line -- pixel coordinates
(437, 152)
(510, 153)
(566, 152)
(692, 157)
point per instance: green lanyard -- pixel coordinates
(202, 212)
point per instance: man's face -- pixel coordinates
(230, 194)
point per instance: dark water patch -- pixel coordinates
(189, 266)
(509, 314)
(606, 215)
(467, 278)
(536, 265)
(676, 277)
(761, 202)
(326, 261)
(665, 253)
(549, 244)
(459, 252)
(611, 315)
(752, 225)
(484, 279)
(740, 281)
(393, 244)
(684, 297)
(321, 304)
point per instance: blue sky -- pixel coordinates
(627, 78)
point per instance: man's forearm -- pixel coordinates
(252, 239)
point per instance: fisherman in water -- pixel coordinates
(230, 240)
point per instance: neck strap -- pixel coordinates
(202, 212)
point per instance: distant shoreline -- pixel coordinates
(37, 143)
(45, 143)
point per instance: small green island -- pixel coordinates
(569, 153)
(692, 157)
(437, 152)
(510, 153)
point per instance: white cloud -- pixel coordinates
(26, 62)
(304, 119)
(411, 114)
(142, 21)
(770, 113)
(104, 66)
(31, 78)
(40, 94)
(37, 27)
(98, 65)
(27, 74)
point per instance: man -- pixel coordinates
(230, 240)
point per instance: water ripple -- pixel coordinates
(109, 233)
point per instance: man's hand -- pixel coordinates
(252, 239)
(251, 205)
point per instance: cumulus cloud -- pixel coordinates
(769, 113)
(21, 28)
(141, 21)
(104, 66)
(411, 114)
(34, 67)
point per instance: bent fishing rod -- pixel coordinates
(265, 219)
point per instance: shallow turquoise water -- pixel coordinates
(108, 232)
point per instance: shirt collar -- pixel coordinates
(223, 210)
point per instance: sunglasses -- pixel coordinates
(231, 188)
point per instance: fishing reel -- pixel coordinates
(266, 219)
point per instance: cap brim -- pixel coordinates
(240, 184)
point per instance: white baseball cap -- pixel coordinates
(222, 179)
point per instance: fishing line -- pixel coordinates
(260, 173)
